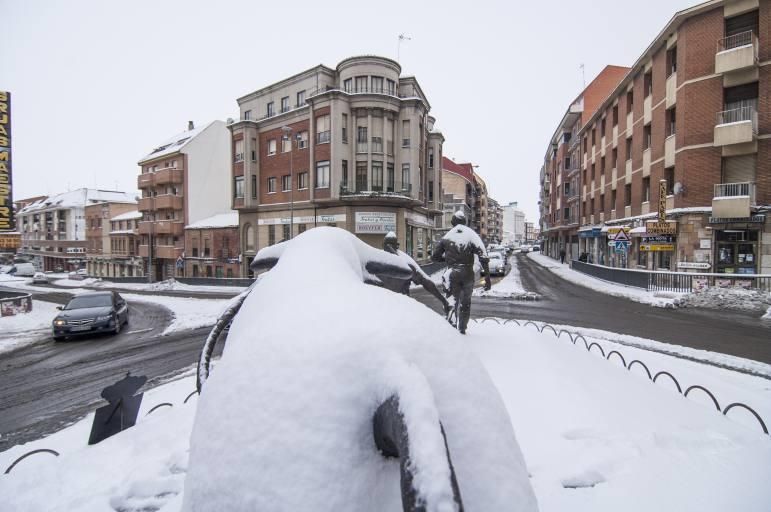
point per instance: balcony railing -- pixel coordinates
(746, 189)
(377, 144)
(347, 190)
(735, 41)
(361, 147)
(746, 113)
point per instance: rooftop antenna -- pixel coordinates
(402, 37)
(583, 74)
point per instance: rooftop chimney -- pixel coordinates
(190, 125)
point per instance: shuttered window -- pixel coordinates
(739, 169)
(742, 23)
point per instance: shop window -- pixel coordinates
(287, 231)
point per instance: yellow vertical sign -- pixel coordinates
(662, 201)
(6, 183)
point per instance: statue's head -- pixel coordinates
(390, 242)
(458, 218)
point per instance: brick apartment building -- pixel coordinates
(494, 221)
(184, 179)
(212, 247)
(352, 147)
(560, 178)
(53, 228)
(105, 252)
(695, 112)
(464, 189)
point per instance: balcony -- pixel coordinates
(669, 151)
(628, 172)
(733, 200)
(145, 180)
(648, 109)
(646, 168)
(161, 227)
(168, 202)
(613, 178)
(144, 251)
(168, 252)
(671, 90)
(738, 52)
(168, 176)
(737, 126)
(145, 204)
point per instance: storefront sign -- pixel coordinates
(6, 182)
(658, 239)
(662, 201)
(418, 219)
(693, 264)
(705, 243)
(10, 241)
(305, 219)
(661, 228)
(375, 222)
(657, 247)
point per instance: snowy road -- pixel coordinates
(562, 302)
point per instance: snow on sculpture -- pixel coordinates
(285, 420)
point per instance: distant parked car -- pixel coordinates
(22, 270)
(536, 248)
(82, 272)
(497, 264)
(39, 278)
(525, 248)
(91, 313)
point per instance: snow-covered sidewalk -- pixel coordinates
(160, 286)
(658, 299)
(188, 313)
(595, 437)
(508, 287)
(27, 328)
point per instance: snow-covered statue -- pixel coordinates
(323, 376)
(391, 245)
(459, 247)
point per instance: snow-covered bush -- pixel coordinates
(284, 422)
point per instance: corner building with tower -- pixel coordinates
(352, 147)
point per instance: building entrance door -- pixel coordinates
(736, 251)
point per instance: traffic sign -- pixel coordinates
(621, 236)
(621, 245)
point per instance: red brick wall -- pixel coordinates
(278, 165)
(224, 243)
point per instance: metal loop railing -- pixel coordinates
(748, 408)
(696, 386)
(623, 361)
(629, 367)
(33, 452)
(164, 404)
(679, 389)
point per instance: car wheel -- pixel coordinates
(118, 325)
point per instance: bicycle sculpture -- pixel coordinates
(334, 395)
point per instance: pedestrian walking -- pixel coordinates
(562, 255)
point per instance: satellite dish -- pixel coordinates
(678, 189)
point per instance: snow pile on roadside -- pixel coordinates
(160, 286)
(26, 328)
(617, 290)
(188, 313)
(9, 278)
(509, 286)
(734, 298)
(89, 281)
(613, 442)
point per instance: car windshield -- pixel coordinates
(495, 256)
(90, 301)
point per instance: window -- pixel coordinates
(322, 129)
(646, 189)
(254, 150)
(669, 175)
(646, 137)
(286, 183)
(603, 125)
(322, 174)
(648, 84)
(239, 187)
(302, 140)
(430, 190)
(567, 163)
(285, 104)
(614, 158)
(630, 102)
(566, 213)
(345, 128)
(737, 29)
(377, 144)
(286, 144)
(254, 186)
(361, 139)
(377, 176)
(238, 151)
(585, 143)
(628, 194)
(431, 158)
(271, 234)
(300, 99)
(344, 182)
(602, 203)
(629, 148)
(739, 169)
(406, 177)
(613, 199)
(377, 84)
(405, 133)
(361, 84)
(271, 147)
(269, 110)
(594, 136)
(593, 171)
(287, 232)
(272, 185)
(671, 61)
(390, 178)
(348, 85)
(741, 100)
(602, 165)
(301, 228)
(566, 189)
(361, 176)
(671, 124)
(247, 114)
(391, 87)
(615, 115)
(302, 180)
(206, 248)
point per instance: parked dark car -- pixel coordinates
(90, 313)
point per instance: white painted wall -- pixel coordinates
(513, 224)
(209, 178)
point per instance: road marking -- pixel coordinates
(140, 330)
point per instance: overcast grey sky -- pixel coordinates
(96, 84)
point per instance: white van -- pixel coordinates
(23, 270)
